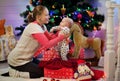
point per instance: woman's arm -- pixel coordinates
(50, 35)
(45, 42)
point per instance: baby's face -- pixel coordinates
(64, 23)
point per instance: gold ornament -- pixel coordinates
(53, 6)
(94, 28)
(90, 13)
(63, 9)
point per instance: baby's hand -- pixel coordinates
(56, 28)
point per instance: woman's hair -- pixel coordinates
(38, 10)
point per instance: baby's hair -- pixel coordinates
(69, 20)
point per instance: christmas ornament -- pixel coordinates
(44, 79)
(79, 16)
(91, 14)
(57, 80)
(94, 28)
(53, 6)
(63, 10)
(52, 79)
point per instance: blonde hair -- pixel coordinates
(69, 20)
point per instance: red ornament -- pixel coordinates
(44, 79)
(79, 16)
(57, 80)
(52, 79)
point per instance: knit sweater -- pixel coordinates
(26, 46)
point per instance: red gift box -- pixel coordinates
(63, 73)
(49, 55)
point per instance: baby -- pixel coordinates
(64, 27)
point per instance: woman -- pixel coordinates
(33, 37)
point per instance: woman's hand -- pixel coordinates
(56, 28)
(52, 29)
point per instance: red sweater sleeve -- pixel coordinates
(45, 42)
(50, 35)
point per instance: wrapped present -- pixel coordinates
(65, 70)
(98, 74)
(63, 73)
(59, 68)
(48, 55)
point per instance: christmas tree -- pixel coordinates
(80, 11)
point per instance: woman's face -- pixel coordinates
(44, 17)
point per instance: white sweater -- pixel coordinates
(26, 46)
